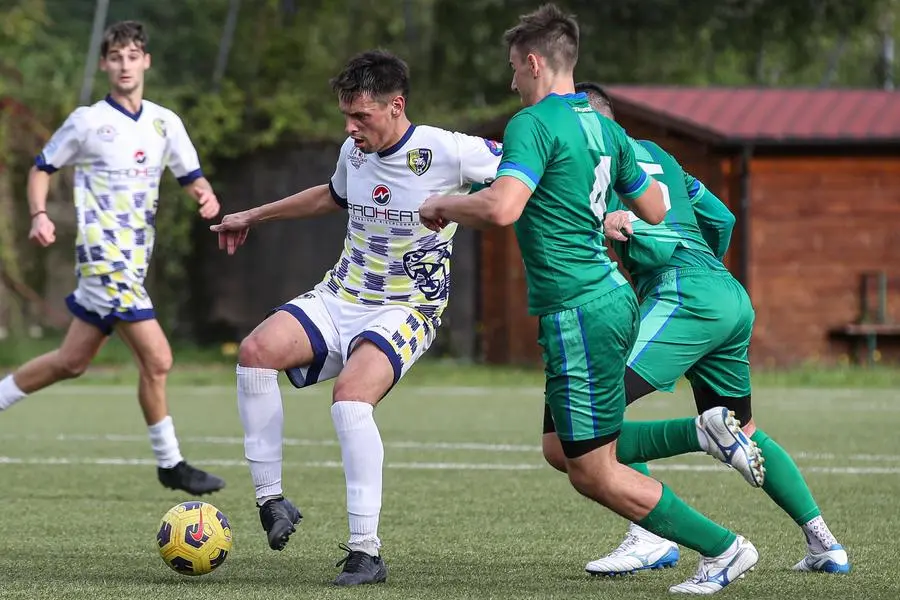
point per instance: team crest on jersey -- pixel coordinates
(160, 126)
(496, 148)
(419, 160)
(381, 194)
(107, 133)
(356, 158)
(427, 268)
(140, 157)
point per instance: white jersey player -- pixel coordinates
(119, 148)
(375, 313)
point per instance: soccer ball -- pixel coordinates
(194, 538)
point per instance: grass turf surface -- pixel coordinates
(470, 511)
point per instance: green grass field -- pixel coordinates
(470, 510)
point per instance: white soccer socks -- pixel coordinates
(262, 415)
(362, 453)
(164, 443)
(9, 392)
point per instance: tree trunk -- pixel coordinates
(11, 318)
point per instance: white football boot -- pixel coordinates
(833, 560)
(715, 573)
(727, 442)
(639, 551)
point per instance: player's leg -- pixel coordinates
(86, 335)
(723, 379)
(585, 352)
(668, 343)
(679, 325)
(153, 357)
(81, 344)
(385, 343)
(635, 387)
(690, 324)
(298, 337)
(640, 550)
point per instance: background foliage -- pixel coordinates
(275, 89)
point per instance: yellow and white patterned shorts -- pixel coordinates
(101, 300)
(335, 326)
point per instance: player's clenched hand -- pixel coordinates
(232, 231)
(209, 204)
(430, 214)
(43, 231)
(617, 226)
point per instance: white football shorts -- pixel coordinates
(101, 300)
(335, 326)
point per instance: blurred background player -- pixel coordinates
(119, 147)
(374, 314)
(697, 321)
(560, 160)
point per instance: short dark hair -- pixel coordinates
(597, 96)
(549, 32)
(124, 33)
(376, 73)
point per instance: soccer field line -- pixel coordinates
(416, 466)
(398, 444)
(800, 398)
(289, 392)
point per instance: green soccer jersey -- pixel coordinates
(679, 240)
(570, 157)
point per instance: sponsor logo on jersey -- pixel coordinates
(356, 158)
(428, 268)
(381, 194)
(496, 148)
(160, 126)
(389, 216)
(140, 157)
(107, 133)
(135, 173)
(419, 160)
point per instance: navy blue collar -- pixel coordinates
(399, 144)
(123, 110)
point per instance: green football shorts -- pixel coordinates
(698, 323)
(585, 351)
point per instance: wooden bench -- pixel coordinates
(871, 324)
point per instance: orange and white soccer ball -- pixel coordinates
(194, 538)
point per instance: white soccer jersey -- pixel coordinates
(119, 158)
(389, 257)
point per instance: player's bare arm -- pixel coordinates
(202, 192)
(650, 206)
(499, 205)
(43, 231)
(311, 202)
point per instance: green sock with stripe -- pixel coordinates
(675, 520)
(642, 441)
(784, 483)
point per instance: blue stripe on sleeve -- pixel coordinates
(636, 185)
(694, 189)
(521, 169)
(340, 201)
(42, 165)
(190, 177)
